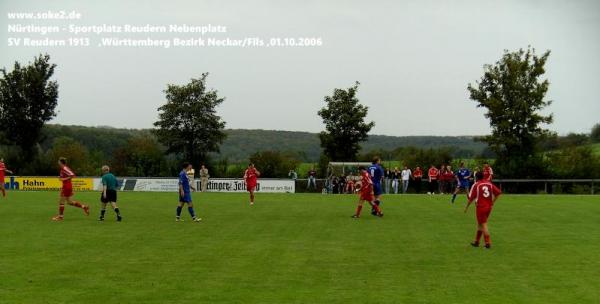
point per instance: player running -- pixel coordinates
(185, 195)
(109, 193)
(250, 176)
(485, 194)
(66, 176)
(376, 173)
(462, 180)
(3, 171)
(366, 193)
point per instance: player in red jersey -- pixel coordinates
(250, 176)
(66, 175)
(488, 173)
(3, 170)
(366, 193)
(485, 194)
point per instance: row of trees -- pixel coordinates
(513, 93)
(511, 90)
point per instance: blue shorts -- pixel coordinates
(186, 198)
(377, 189)
(464, 185)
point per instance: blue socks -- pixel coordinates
(191, 210)
(179, 211)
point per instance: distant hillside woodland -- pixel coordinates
(133, 152)
(137, 152)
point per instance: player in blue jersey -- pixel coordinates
(185, 195)
(376, 172)
(462, 180)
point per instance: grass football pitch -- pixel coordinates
(299, 248)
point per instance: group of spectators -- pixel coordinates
(439, 180)
(443, 180)
(394, 179)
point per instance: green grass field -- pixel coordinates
(299, 248)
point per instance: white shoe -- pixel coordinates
(251, 203)
(178, 219)
(197, 219)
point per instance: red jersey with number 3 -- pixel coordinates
(483, 192)
(67, 172)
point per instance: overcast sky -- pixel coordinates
(414, 60)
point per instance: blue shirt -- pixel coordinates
(463, 174)
(184, 182)
(376, 172)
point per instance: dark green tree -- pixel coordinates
(28, 99)
(188, 123)
(345, 125)
(595, 134)
(513, 93)
(273, 163)
(141, 156)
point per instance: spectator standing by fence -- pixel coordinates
(418, 178)
(293, 175)
(190, 175)
(204, 176)
(432, 177)
(312, 178)
(450, 179)
(387, 179)
(350, 183)
(395, 177)
(442, 179)
(406, 176)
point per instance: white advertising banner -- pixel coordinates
(214, 185)
(163, 185)
(263, 185)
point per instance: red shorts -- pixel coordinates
(66, 192)
(483, 214)
(250, 187)
(2, 180)
(367, 196)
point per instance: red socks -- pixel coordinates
(487, 238)
(358, 209)
(61, 209)
(76, 204)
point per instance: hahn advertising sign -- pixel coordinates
(35, 183)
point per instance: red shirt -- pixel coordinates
(250, 176)
(418, 173)
(448, 175)
(67, 172)
(2, 169)
(488, 173)
(366, 182)
(433, 173)
(483, 192)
